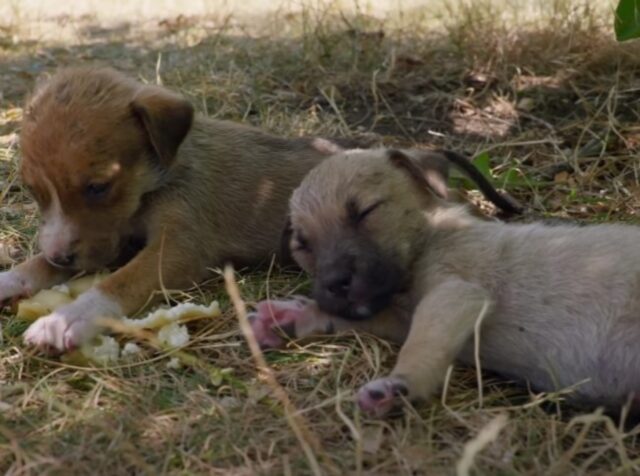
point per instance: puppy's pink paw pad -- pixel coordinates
(379, 397)
(273, 320)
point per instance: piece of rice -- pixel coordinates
(102, 350)
(173, 335)
(130, 349)
(174, 363)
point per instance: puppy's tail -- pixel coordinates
(507, 204)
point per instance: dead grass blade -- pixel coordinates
(308, 441)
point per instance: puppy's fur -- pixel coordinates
(560, 305)
(120, 170)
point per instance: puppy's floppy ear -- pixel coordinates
(166, 118)
(430, 171)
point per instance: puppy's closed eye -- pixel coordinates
(357, 215)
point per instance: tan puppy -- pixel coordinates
(120, 170)
(559, 305)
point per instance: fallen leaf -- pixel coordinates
(372, 439)
(561, 177)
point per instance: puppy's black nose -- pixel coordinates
(62, 260)
(338, 284)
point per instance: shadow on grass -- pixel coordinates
(555, 97)
(467, 84)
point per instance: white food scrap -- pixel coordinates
(62, 288)
(174, 363)
(173, 335)
(104, 350)
(180, 313)
(130, 349)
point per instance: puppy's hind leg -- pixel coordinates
(442, 323)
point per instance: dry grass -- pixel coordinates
(546, 91)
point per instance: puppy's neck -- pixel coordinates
(439, 221)
(443, 217)
(444, 223)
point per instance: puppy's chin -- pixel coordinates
(94, 263)
(354, 311)
(368, 292)
(99, 257)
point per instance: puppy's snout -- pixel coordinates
(59, 239)
(358, 284)
(339, 284)
(62, 260)
(332, 287)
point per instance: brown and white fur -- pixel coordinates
(560, 305)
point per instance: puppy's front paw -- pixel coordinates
(72, 325)
(12, 287)
(273, 321)
(378, 397)
(56, 332)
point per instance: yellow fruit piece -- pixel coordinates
(80, 285)
(101, 351)
(41, 304)
(173, 335)
(75, 357)
(48, 300)
(181, 313)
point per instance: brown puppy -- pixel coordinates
(559, 305)
(120, 170)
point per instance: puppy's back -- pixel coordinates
(567, 306)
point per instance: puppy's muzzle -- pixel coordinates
(356, 286)
(62, 260)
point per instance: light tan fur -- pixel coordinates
(561, 303)
(112, 161)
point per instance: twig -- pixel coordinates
(310, 445)
(486, 435)
(476, 350)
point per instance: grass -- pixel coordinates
(543, 88)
